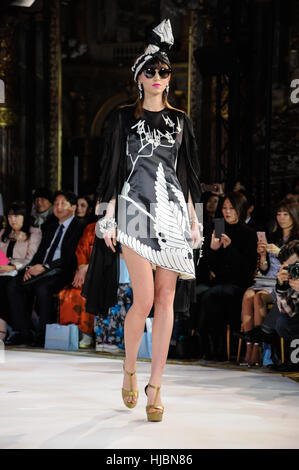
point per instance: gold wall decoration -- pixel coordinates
(55, 93)
(7, 117)
(8, 61)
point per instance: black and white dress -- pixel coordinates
(153, 218)
(149, 165)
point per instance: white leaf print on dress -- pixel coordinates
(170, 226)
(170, 222)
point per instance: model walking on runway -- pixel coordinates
(151, 174)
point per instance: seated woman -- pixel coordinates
(85, 210)
(19, 241)
(210, 202)
(256, 298)
(71, 303)
(110, 330)
(231, 260)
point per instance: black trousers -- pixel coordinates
(20, 302)
(269, 324)
(287, 327)
(4, 308)
(220, 305)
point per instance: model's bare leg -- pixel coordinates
(141, 275)
(165, 285)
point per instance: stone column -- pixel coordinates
(8, 112)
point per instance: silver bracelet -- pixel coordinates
(194, 219)
(105, 224)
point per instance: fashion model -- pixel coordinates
(150, 179)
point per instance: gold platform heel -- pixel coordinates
(131, 392)
(155, 415)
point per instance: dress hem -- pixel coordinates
(181, 275)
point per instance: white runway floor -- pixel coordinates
(54, 401)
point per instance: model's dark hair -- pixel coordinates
(288, 250)
(69, 196)
(239, 203)
(293, 210)
(154, 62)
(17, 208)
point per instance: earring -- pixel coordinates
(167, 88)
(140, 87)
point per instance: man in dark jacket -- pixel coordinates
(51, 268)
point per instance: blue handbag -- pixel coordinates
(62, 337)
(145, 349)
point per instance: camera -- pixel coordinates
(293, 270)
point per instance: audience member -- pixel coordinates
(51, 268)
(110, 331)
(210, 203)
(84, 211)
(252, 218)
(232, 262)
(42, 210)
(287, 289)
(262, 293)
(71, 303)
(19, 242)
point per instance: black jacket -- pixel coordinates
(68, 261)
(235, 264)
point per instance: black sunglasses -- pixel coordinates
(150, 72)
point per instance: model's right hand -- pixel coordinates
(110, 239)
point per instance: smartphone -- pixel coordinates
(262, 237)
(219, 227)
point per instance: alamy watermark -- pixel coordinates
(294, 97)
(295, 353)
(167, 220)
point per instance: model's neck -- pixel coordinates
(153, 103)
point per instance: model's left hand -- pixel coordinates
(195, 236)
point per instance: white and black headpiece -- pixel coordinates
(160, 41)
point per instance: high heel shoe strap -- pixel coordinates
(130, 374)
(156, 396)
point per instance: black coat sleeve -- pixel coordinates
(188, 167)
(111, 159)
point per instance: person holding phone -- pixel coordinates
(262, 292)
(231, 258)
